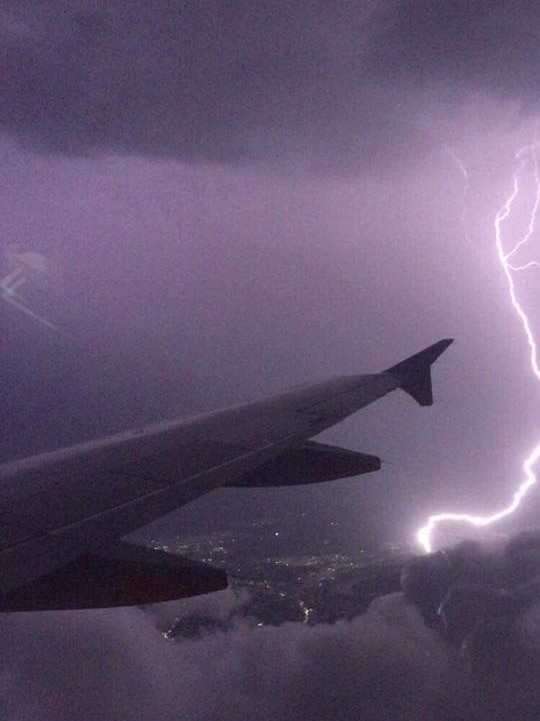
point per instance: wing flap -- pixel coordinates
(125, 575)
(311, 462)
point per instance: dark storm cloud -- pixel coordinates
(207, 80)
(461, 45)
(324, 85)
(487, 602)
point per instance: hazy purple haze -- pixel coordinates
(243, 196)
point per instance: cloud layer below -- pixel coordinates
(115, 665)
(383, 665)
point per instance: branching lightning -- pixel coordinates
(525, 157)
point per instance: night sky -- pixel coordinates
(235, 198)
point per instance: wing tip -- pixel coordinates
(414, 373)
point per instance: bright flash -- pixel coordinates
(526, 157)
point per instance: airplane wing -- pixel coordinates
(63, 514)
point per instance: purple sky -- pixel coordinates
(240, 197)
(274, 205)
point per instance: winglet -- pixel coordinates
(414, 373)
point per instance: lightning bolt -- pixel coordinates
(525, 157)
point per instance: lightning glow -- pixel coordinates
(26, 264)
(524, 158)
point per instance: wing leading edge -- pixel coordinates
(61, 513)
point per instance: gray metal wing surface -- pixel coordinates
(76, 503)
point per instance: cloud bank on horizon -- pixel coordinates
(333, 86)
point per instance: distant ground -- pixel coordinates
(318, 587)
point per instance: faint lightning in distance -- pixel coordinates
(463, 170)
(525, 157)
